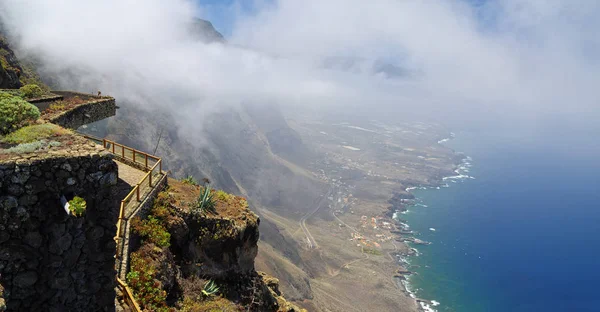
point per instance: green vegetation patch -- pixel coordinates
(34, 133)
(146, 289)
(372, 251)
(24, 148)
(153, 230)
(77, 206)
(189, 180)
(32, 91)
(15, 113)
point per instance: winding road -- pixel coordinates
(312, 244)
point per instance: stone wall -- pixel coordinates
(50, 260)
(98, 108)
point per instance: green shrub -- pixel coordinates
(189, 180)
(31, 91)
(16, 113)
(33, 133)
(153, 230)
(223, 196)
(146, 289)
(77, 206)
(6, 95)
(24, 148)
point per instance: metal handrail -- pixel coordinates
(110, 146)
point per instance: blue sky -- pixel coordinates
(223, 13)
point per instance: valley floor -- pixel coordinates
(349, 244)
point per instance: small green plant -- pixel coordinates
(223, 196)
(77, 206)
(189, 180)
(16, 113)
(153, 230)
(210, 289)
(206, 202)
(31, 91)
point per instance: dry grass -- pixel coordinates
(226, 205)
(64, 105)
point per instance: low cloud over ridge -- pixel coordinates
(530, 58)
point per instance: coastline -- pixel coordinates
(406, 235)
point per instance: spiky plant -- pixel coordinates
(210, 289)
(206, 202)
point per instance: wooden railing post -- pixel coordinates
(133, 155)
(123, 151)
(146, 160)
(113, 147)
(138, 192)
(150, 179)
(160, 166)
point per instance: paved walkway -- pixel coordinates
(129, 174)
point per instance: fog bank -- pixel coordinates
(528, 59)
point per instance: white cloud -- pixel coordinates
(527, 57)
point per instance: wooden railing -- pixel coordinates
(128, 295)
(148, 163)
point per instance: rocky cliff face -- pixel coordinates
(205, 31)
(10, 68)
(218, 246)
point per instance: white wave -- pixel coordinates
(408, 189)
(427, 308)
(443, 140)
(408, 289)
(456, 177)
(432, 229)
(434, 303)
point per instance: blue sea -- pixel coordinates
(523, 234)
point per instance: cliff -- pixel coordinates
(244, 158)
(14, 73)
(181, 250)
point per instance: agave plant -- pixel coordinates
(206, 202)
(210, 289)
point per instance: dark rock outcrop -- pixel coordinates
(204, 31)
(10, 68)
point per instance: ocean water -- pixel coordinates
(522, 235)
